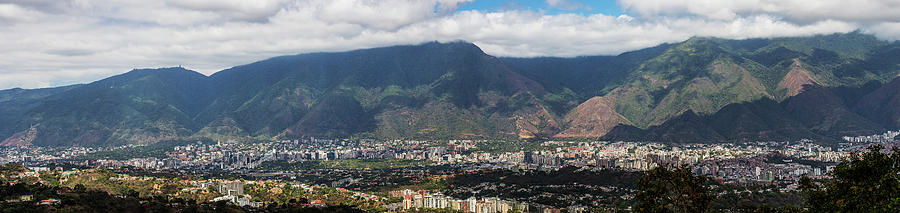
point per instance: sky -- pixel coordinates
(45, 43)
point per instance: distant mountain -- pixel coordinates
(140, 106)
(805, 116)
(586, 76)
(699, 90)
(427, 91)
(704, 75)
(824, 112)
(14, 103)
(882, 105)
(817, 113)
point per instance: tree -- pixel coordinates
(864, 182)
(663, 190)
(543, 127)
(10, 170)
(80, 188)
(170, 188)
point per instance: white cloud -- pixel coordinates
(566, 5)
(886, 30)
(25, 80)
(625, 18)
(51, 42)
(256, 10)
(803, 11)
(12, 13)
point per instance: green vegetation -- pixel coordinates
(854, 44)
(561, 188)
(283, 194)
(431, 185)
(100, 190)
(14, 103)
(663, 190)
(868, 181)
(455, 91)
(7, 171)
(864, 182)
(755, 199)
(83, 200)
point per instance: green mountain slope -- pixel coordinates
(14, 103)
(344, 94)
(882, 105)
(818, 113)
(702, 89)
(825, 113)
(142, 106)
(587, 76)
(704, 75)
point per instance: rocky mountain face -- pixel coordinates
(699, 90)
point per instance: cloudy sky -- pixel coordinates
(59, 42)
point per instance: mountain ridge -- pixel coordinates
(703, 90)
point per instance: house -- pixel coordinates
(317, 203)
(237, 200)
(231, 188)
(23, 198)
(64, 190)
(50, 201)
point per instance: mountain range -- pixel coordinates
(699, 90)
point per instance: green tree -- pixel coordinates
(9, 170)
(543, 127)
(663, 190)
(80, 188)
(864, 182)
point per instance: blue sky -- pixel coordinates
(608, 7)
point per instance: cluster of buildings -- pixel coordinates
(22, 154)
(876, 138)
(233, 192)
(756, 171)
(419, 200)
(555, 154)
(744, 163)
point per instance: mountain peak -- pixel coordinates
(169, 73)
(700, 43)
(178, 69)
(454, 46)
(12, 89)
(694, 39)
(455, 43)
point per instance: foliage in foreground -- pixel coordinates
(81, 199)
(864, 182)
(678, 190)
(869, 181)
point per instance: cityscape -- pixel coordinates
(385, 171)
(449, 106)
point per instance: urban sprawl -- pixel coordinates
(776, 164)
